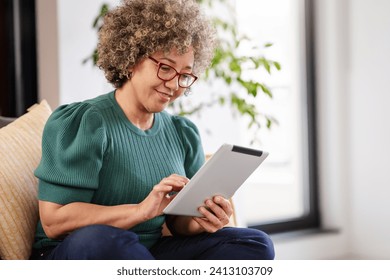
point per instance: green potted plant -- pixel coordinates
(227, 67)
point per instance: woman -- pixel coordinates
(109, 164)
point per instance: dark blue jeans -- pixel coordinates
(100, 242)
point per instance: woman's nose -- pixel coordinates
(173, 84)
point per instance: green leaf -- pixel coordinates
(277, 65)
(269, 123)
(266, 90)
(250, 86)
(103, 11)
(267, 66)
(235, 66)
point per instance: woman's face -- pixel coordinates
(150, 92)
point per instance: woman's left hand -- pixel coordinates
(216, 214)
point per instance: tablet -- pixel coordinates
(221, 175)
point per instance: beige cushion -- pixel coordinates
(20, 153)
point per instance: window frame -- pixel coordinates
(312, 219)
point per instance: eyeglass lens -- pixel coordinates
(166, 72)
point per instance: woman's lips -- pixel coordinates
(165, 96)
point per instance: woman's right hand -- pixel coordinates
(58, 220)
(159, 197)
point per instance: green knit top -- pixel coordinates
(92, 153)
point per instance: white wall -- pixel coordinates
(353, 85)
(66, 38)
(48, 51)
(369, 127)
(353, 48)
(77, 40)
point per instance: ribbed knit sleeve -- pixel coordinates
(73, 147)
(190, 137)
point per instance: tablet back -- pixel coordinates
(222, 175)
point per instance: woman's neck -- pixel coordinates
(138, 116)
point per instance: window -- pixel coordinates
(281, 195)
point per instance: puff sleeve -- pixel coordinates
(193, 149)
(73, 146)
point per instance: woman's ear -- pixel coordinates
(129, 73)
(188, 91)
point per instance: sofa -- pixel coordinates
(20, 153)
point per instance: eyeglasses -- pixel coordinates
(168, 73)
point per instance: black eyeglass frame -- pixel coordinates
(159, 64)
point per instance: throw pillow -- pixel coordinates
(20, 153)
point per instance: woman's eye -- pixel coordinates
(185, 76)
(166, 68)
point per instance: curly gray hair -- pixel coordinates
(138, 28)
